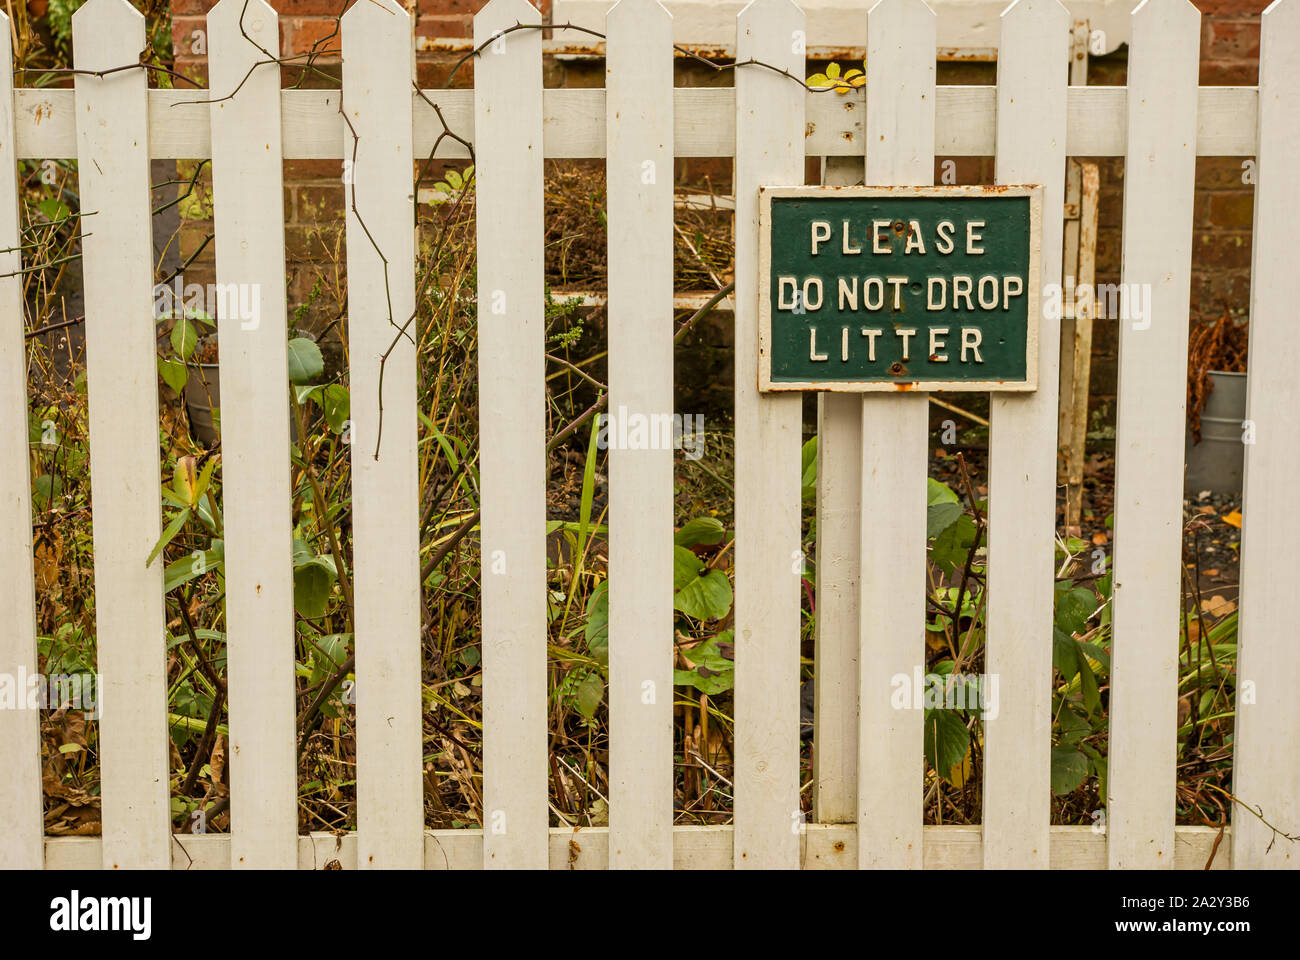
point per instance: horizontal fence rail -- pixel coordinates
(704, 123)
(875, 446)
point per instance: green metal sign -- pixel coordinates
(899, 288)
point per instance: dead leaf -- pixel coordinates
(1099, 538)
(1218, 606)
(1232, 519)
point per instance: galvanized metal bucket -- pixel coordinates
(1216, 462)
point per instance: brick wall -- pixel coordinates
(1221, 249)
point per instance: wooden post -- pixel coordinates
(379, 176)
(247, 186)
(1160, 174)
(1022, 464)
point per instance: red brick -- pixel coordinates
(431, 72)
(308, 170)
(1201, 209)
(308, 244)
(310, 8)
(318, 35)
(320, 203)
(1214, 289)
(1230, 8)
(1220, 172)
(1108, 251)
(182, 7)
(1229, 73)
(457, 26)
(1235, 210)
(1221, 249)
(1230, 40)
(183, 29)
(450, 7)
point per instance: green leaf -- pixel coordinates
(686, 567)
(942, 508)
(454, 180)
(713, 684)
(1073, 608)
(808, 467)
(714, 672)
(305, 361)
(337, 404)
(173, 372)
(946, 740)
(597, 629)
(954, 544)
(589, 694)
(1088, 683)
(705, 598)
(46, 489)
(701, 530)
(1065, 653)
(173, 528)
(332, 650)
(313, 582)
(1069, 767)
(182, 571)
(185, 337)
(588, 490)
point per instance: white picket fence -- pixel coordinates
(873, 449)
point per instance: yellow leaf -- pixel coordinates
(186, 480)
(1232, 519)
(960, 772)
(833, 70)
(818, 80)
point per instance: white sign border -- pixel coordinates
(765, 384)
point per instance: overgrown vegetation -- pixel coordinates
(192, 549)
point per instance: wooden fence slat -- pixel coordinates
(377, 89)
(639, 184)
(1032, 58)
(830, 846)
(704, 124)
(21, 824)
(247, 186)
(1266, 757)
(895, 450)
(512, 434)
(113, 150)
(1159, 179)
(122, 373)
(839, 548)
(769, 558)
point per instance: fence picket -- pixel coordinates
(512, 433)
(769, 553)
(1033, 51)
(1159, 177)
(839, 562)
(21, 824)
(895, 450)
(377, 90)
(1266, 757)
(122, 373)
(639, 184)
(247, 184)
